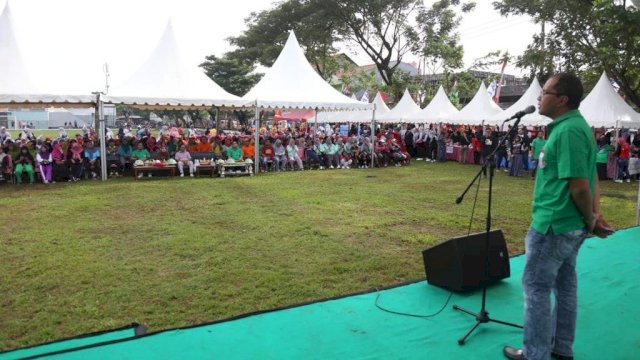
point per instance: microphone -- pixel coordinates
(528, 110)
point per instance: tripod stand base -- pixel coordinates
(481, 318)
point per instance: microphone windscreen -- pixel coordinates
(530, 109)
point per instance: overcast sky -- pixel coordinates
(64, 43)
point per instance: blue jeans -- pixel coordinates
(550, 265)
(623, 168)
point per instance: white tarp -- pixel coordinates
(405, 111)
(292, 83)
(439, 109)
(480, 108)
(16, 86)
(165, 80)
(530, 97)
(604, 107)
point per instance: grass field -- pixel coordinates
(89, 256)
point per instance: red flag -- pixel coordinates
(384, 96)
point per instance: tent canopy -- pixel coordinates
(292, 83)
(604, 106)
(530, 97)
(439, 108)
(16, 86)
(164, 81)
(405, 111)
(481, 107)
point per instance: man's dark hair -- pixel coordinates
(570, 86)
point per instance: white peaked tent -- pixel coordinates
(481, 107)
(405, 111)
(439, 108)
(165, 81)
(16, 87)
(292, 83)
(604, 107)
(361, 116)
(530, 97)
(14, 77)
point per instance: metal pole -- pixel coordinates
(256, 156)
(373, 131)
(102, 134)
(217, 120)
(315, 126)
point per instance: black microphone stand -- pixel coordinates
(483, 316)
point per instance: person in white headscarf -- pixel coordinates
(4, 135)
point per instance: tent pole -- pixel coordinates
(315, 125)
(217, 120)
(99, 120)
(256, 136)
(373, 131)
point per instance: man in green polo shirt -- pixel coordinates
(536, 146)
(565, 210)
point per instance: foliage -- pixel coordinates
(232, 74)
(440, 47)
(586, 35)
(380, 28)
(91, 256)
(267, 32)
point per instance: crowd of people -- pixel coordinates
(73, 158)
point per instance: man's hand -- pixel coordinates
(601, 227)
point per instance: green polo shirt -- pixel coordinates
(570, 152)
(235, 154)
(536, 146)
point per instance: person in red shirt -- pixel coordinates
(476, 147)
(267, 153)
(622, 151)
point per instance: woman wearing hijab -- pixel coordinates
(24, 163)
(60, 166)
(280, 158)
(364, 153)
(6, 164)
(294, 155)
(45, 163)
(75, 159)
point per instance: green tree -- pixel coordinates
(381, 28)
(231, 74)
(440, 47)
(584, 36)
(268, 30)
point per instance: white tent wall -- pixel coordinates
(605, 107)
(480, 108)
(165, 80)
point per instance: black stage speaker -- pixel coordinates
(459, 264)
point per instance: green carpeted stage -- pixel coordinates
(353, 327)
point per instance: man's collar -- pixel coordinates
(564, 117)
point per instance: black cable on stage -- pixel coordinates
(414, 315)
